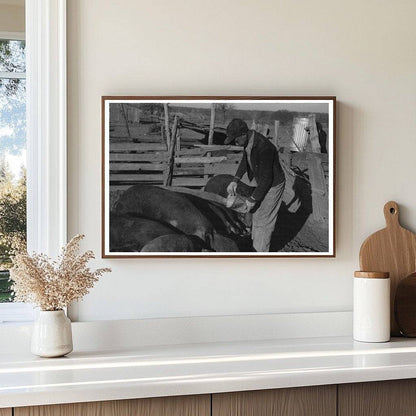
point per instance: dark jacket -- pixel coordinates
(266, 166)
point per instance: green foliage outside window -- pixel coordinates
(12, 223)
(12, 145)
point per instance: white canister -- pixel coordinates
(371, 307)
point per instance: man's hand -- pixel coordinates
(232, 188)
(250, 204)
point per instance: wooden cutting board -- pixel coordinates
(405, 306)
(393, 250)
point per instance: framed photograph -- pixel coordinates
(218, 177)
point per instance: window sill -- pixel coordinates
(16, 313)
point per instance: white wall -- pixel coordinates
(361, 51)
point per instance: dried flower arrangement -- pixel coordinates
(53, 285)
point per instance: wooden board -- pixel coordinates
(160, 406)
(5, 412)
(136, 139)
(154, 177)
(301, 401)
(195, 159)
(177, 181)
(405, 306)
(213, 148)
(136, 177)
(382, 398)
(157, 167)
(318, 187)
(393, 250)
(137, 166)
(136, 147)
(139, 157)
(160, 156)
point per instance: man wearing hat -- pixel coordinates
(261, 163)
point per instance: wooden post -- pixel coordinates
(289, 195)
(123, 110)
(318, 187)
(178, 141)
(171, 158)
(276, 129)
(136, 115)
(211, 133)
(115, 114)
(161, 132)
(265, 129)
(313, 134)
(165, 107)
(211, 125)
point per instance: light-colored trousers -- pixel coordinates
(264, 218)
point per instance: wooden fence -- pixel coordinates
(156, 163)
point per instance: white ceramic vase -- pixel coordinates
(52, 334)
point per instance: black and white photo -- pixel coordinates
(218, 176)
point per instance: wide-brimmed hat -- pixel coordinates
(236, 128)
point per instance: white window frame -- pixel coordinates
(14, 312)
(46, 127)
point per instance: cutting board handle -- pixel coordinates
(391, 213)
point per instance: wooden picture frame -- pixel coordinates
(160, 156)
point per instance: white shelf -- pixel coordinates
(150, 371)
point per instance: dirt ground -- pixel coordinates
(295, 232)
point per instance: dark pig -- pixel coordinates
(128, 233)
(175, 243)
(167, 207)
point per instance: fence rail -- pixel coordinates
(192, 166)
(166, 159)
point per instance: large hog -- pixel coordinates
(175, 243)
(169, 208)
(129, 233)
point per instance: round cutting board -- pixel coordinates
(405, 306)
(393, 250)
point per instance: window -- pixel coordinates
(12, 153)
(45, 26)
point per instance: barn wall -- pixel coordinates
(361, 51)
(12, 18)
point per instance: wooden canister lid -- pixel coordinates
(372, 275)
